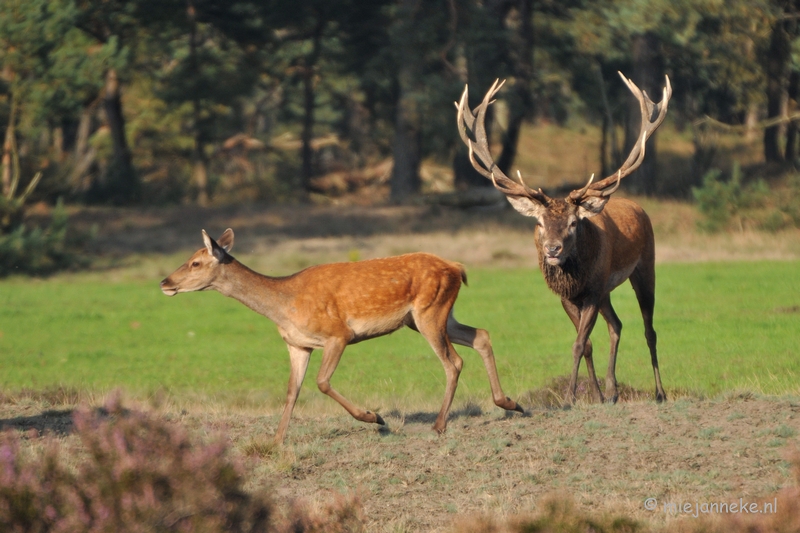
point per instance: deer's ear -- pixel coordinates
(591, 206)
(209, 242)
(527, 206)
(213, 248)
(226, 240)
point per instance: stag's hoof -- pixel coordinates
(378, 419)
(612, 399)
(661, 397)
(517, 407)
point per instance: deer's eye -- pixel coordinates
(195, 263)
(573, 224)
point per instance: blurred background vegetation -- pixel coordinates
(132, 102)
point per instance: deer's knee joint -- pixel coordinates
(483, 343)
(579, 348)
(324, 386)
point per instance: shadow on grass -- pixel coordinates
(470, 409)
(57, 405)
(56, 421)
(553, 395)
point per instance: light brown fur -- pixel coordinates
(331, 306)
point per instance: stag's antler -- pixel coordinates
(474, 122)
(652, 117)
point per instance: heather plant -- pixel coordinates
(136, 473)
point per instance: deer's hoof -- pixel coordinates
(517, 407)
(379, 420)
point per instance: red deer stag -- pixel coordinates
(588, 243)
(331, 306)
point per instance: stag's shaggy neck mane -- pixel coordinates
(569, 279)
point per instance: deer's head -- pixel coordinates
(202, 269)
(558, 221)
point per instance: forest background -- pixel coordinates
(162, 102)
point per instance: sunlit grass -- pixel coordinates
(721, 326)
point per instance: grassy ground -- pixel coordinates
(607, 459)
(723, 326)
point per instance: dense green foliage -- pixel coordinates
(733, 204)
(167, 101)
(721, 327)
(38, 250)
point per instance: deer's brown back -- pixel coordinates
(373, 296)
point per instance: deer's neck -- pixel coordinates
(260, 293)
(569, 280)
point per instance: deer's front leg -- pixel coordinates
(298, 357)
(588, 317)
(331, 354)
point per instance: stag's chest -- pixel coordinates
(567, 281)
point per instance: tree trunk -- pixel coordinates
(199, 163)
(200, 171)
(791, 127)
(405, 180)
(776, 69)
(83, 153)
(307, 135)
(751, 122)
(646, 74)
(520, 104)
(9, 151)
(121, 185)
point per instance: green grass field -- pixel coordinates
(721, 326)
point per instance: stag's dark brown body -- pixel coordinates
(588, 243)
(586, 277)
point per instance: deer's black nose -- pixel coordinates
(553, 249)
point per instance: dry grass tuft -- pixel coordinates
(559, 513)
(261, 447)
(553, 395)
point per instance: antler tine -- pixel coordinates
(465, 121)
(479, 154)
(612, 190)
(652, 116)
(580, 193)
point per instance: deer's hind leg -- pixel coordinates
(614, 331)
(431, 323)
(478, 340)
(643, 281)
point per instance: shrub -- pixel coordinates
(723, 202)
(38, 251)
(136, 473)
